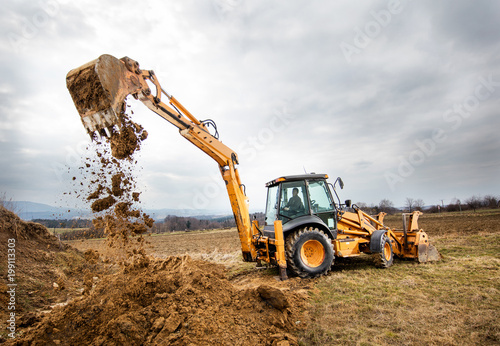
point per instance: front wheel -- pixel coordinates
(309, 252)
(385, 258)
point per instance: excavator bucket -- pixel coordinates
(99, 89)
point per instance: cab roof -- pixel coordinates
(296, 178)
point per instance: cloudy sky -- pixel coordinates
(399, 98)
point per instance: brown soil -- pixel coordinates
(87, 91)
(103, 204)
(176, 301)
(47, 272)
(145, 300)
(126, 142)
(116, 184)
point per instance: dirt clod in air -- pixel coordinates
(135, 196)
(127, 141)
(103, 204)
(96, 193)
(116, 182)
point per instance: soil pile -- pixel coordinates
(176, 301)
(43, 272)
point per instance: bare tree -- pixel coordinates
(409, 204)
(490, 201)
(362, 205)
(370, 209)
(474, 202)
(386, 206)
(419, 204)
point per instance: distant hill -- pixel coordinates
(30, 210)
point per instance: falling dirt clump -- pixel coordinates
(135, 196)
(122, 209)
(176, 301)
(109, 183)
(116, 182)
(103, 204)
(96, 193)
(91, 256)
(127, 141)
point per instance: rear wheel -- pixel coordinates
(309, 252)
(385, 258)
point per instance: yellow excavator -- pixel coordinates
(305, 227)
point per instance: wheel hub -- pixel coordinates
(387, 251)
(312, 253)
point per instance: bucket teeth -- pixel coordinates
(104, 132)
(100, 120)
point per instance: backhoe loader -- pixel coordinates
(305, 228)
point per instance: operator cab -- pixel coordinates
(298, 200)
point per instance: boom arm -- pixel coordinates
(120, 78)
(197, 133)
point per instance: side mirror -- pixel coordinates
(348, 203)
(341, 183)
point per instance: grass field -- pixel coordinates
(64, 230)
(452, 302)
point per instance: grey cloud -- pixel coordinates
(249, 58)
(468, 25)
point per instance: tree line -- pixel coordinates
(472, 203)
(174, 223)
(64, 223)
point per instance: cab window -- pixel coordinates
(271, 205)
(293, 200)
(320, 198)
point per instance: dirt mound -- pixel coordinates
(40, 271)
(36, 234)
(176, 301)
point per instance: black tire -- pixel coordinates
(309, 252)
(385, 258)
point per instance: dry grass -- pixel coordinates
(453, 302)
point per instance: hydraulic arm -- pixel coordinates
(99, 89)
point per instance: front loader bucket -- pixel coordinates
(428, 253)
(415, 242)
(99, 89)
